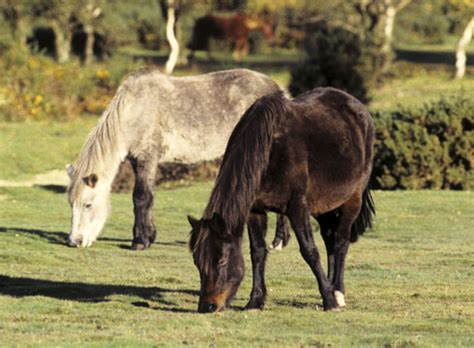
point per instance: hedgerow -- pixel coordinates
(431, 147)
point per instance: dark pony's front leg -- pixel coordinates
(299, 215)
(348, 214)
(257, 227)
(282, 234)
(144, 231)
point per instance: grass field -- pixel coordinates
(410, 281)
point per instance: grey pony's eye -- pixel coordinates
(88, 205)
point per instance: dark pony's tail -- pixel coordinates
(364, 220)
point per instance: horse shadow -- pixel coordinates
(55, 237)
(51, 237)
(89, 293)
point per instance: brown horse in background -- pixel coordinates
(235, 29)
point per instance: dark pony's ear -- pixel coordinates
(218, 225)
(91, 180)
(193, 222)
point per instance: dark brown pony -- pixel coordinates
(310, 156)
(233, 29)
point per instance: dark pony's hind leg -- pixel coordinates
(348, 214)
(257, 227)
(144, 231)
(282, 234)
(299, 216)
(328, 223)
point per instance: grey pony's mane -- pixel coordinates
(103, 145)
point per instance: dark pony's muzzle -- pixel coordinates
(207, 307)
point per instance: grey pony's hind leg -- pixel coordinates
(144, 231)
(282, 233)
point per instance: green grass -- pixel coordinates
(414, 85)
(29, 148)
(409, 281)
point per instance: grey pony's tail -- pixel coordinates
(364, 220)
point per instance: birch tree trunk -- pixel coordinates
(63, 41)
(461, 49)
(390, 14)
(89, 50)
(90, 16)
(170, 35)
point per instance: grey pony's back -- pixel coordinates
(186, 119)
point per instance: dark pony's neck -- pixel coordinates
(245, 160)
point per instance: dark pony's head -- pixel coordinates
(218, 257)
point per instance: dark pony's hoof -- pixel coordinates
(257, 304)
(140, 245)
(331, 304)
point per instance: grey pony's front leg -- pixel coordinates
(144, 231)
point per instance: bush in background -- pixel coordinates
(35, 87)
(426, 148)
(334, 55)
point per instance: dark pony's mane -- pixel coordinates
(245, 159)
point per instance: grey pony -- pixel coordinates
(155, 118)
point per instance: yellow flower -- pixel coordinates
(32, 62)
(38, 99)
(102, 74)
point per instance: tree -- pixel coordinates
(88, 15)
(461, 49)
(466, 9)
(13, 13)
(60, 15)
(169, 9)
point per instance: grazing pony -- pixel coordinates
(310, 156)
(155, 118)
(233, 29)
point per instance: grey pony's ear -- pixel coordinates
(70, 170)
(91, 180)
(193, 221)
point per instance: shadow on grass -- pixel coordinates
(213, 64)
(51, 237)
(178, 243)
(90, 293)
(431, 57)
(55, 237)
(298, 304)
(53, 188)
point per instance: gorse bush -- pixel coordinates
(426, 148)
(35, 87)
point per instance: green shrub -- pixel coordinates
(426, 148)
(334, 57)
